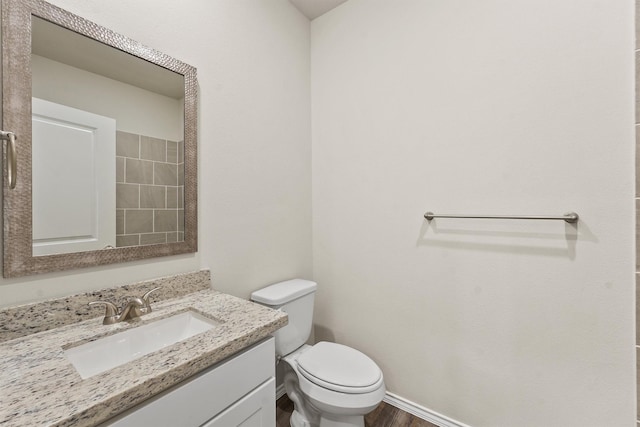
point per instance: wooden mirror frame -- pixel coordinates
(16, 117)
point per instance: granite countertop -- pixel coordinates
(39, 386)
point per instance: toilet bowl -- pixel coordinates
(330, 385)
(338, 392)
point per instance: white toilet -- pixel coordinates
(331, 385)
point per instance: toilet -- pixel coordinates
(330, 385)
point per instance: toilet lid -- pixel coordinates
(339, 368)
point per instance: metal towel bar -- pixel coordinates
(570, 217)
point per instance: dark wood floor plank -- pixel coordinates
(402, 418)
(384, 415)
(374, 416)
(284, 409)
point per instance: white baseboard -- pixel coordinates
(407, 406)
(421, 412)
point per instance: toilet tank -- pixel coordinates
(294, 297)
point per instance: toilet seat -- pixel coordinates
(339, 368)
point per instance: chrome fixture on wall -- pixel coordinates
(570, 217)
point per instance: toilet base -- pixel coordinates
(297, 420)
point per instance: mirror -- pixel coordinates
(106, 143)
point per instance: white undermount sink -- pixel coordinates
(114, 350)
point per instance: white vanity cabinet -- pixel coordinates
(239, 391)
(257, 409)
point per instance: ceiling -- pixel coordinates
(314, 8)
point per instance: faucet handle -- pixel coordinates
(110, 313)
(136, 307)
(145, 298)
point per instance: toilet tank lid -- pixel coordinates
(283, 292)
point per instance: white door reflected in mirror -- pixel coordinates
(74, 183)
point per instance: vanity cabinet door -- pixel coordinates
(257, 409)
(209, 394)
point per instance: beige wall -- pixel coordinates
(503, 107)
(493, 106)
(254, 142)
(637, 201)
(136, 110)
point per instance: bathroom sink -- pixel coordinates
(114, 350)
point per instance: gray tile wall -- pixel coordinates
(149, 190)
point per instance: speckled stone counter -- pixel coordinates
(28, 319)
(39, 386)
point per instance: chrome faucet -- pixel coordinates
(135, 307)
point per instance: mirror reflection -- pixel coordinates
(108, 150)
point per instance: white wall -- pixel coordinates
(495, 106)
(136, 110)
(456, 106)
(254, 142)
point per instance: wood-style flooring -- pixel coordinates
(383, 416)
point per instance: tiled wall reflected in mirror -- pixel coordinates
(149, 190)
